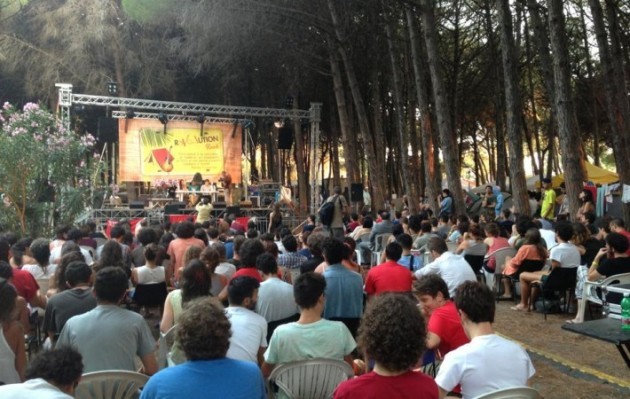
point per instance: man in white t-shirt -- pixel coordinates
(275, 297)
(453, 269)
(249, 330)
(488, 362)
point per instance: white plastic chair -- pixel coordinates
(380, 242)
(112, 384)
(500, 256)
(312, 379)
(512, 393)
(608, 286)
(165, 343)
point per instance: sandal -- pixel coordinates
(573, 321)
(519, 308)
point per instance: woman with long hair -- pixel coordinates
(12, 351)
(275, 220)
(195, 282)
(533, 248)
(211, 256)
(111, 255)
(586, 203)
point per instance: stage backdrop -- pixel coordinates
(146, 153)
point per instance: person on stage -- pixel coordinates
(207, 187)
(226, 182)
(204, 210)
(196, 183)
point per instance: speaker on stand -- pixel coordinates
(356, 192)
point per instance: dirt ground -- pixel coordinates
(568, 365)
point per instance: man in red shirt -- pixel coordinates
(389, 276)
(618, 226)
(445, 327)
(248, 253)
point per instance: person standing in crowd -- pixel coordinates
(337, 229)
(548, 201)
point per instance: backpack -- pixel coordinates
(327, 212)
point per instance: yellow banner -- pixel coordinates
(182, 152)
(147, 153)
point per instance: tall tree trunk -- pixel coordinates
(591, 78)
(347, 136)
(614, 87)
(445, 125)
(300, 165)
(497, 169)
(570, 139)
(409, 187)
(546, 70)
(376, 172)
(429, 148)
(514, 110)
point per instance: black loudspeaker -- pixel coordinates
(285, 138)
(356, 192)
(173, 208)
(233, 210)
(136, 205)
(107, 129)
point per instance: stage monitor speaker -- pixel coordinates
(233, 210)
(285, 138)
(107, 129)
(173, 208)
(136, 205)
(356, 192)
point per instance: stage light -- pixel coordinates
(163, 119)
(201, 118)
(112, 88)
(130, 114)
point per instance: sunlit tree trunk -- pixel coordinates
(429, 145)
(614, 88)
(514, 109)
(570, 139)
(445, 125)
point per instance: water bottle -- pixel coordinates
(625, 312)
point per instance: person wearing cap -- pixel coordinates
(548, 200)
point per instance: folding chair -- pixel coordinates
(512, 393)
(500, 256)
(561, 279)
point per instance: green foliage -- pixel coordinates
(146, 10)
(39, 157)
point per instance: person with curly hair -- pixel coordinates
(393, 334)
(177, 248)
(204, 335)
(488, 362)
(52, 374)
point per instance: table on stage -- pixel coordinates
(213, 194)
(608, 330)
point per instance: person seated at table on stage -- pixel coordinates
(393, 334)
(207, 187)
(226, 183)
(533, 248)
(196, 182)
(565, 255)
(488, 362)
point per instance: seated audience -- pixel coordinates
(488, 362)
(344, 288)
(149, 273)
(389, 276)
(565, 255)
(40, 251)
(76, 300)
(453, 269)
(52, 374)
(290, 258)
(532, 248)
(204, 336)
(408, 260)
(275, 297)
(211, 256)
(249, 330)
(12, 353)
(314, 243)
(311, 336)
(109, 337)
(494, 241)
(393, 335)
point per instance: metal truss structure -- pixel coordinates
(150, 109)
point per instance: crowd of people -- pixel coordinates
(243, 301)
